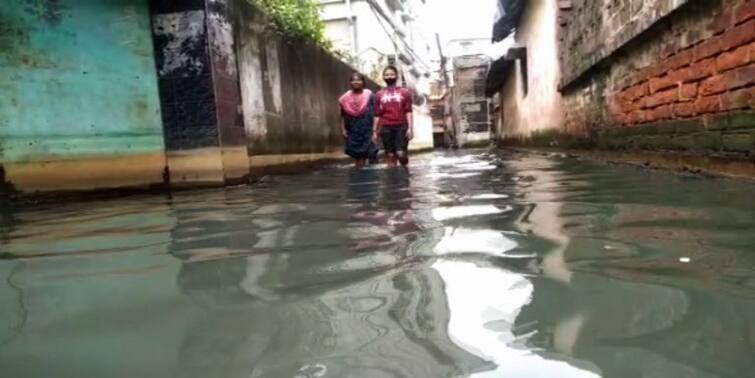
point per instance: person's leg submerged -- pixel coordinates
(402, 145)
(388, 134)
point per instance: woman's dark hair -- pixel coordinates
(392, 68)
(359, 75)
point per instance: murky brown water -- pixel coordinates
(474, 265)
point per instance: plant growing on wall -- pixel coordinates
(296, 19)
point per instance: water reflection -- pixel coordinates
(472, 265)
(483, 324)
(302, 303)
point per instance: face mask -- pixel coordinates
(390, 82)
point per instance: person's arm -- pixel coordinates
(376, 121)
(410, 128)
(344, 132)
(376, 129)
(409, 118)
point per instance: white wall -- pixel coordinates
(540, 108)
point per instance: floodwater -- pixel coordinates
(473, 265)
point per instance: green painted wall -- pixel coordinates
(77, 79)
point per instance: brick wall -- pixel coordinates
(596, 29)
(687, 82)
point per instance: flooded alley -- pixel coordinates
(474, 264)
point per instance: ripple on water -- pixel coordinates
(474, 264)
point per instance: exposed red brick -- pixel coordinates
(708, 48)
(744, 12)
(645, 73)
(741, 77)
(739, 99)
(661, 83)
(740, 35)
(627, 106)
(684, 109)
(733, 59)
(650, 116)
(622, 96)
(688, 91)
(714, 85)
(640, 90)
(655, 70)
(663, 112)
(670, 48)
(697, 71)
(620, 118)
(634, 92)
(680, 59)
(724, 20)
(639, 116)
(662, 98)
(709, 104)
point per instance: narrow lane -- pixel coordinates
(474, 264)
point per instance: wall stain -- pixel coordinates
(141, 113)
(6, 188)
(15, 50)
(49, 11)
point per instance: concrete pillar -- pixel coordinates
(199, 93)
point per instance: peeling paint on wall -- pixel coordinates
(70, 87)
(273, 75)
(186, 33)
(221, 37)
(252, 91)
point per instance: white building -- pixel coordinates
(376, 33)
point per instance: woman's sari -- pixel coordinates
(358, 111)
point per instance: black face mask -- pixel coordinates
(390, 82)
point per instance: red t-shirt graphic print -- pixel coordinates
(392, 105)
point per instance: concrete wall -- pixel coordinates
(289, 94)
(539, 107)
(196, 62)
(79, 105)
(103, 95)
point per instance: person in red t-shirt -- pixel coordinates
(393, 119)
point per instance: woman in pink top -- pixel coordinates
(393, 119)
(357, 109)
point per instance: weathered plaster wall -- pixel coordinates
(539, 107)
(289, 93)
(103, 95)
(196, 63)
(79, 103)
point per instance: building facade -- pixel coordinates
(471, 110)
(371, 34)
(654, 77)
(529, 99)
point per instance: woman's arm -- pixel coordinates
(344, 132)
(410, 124)
(376, 120)
(408, 108)
(376, 129)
